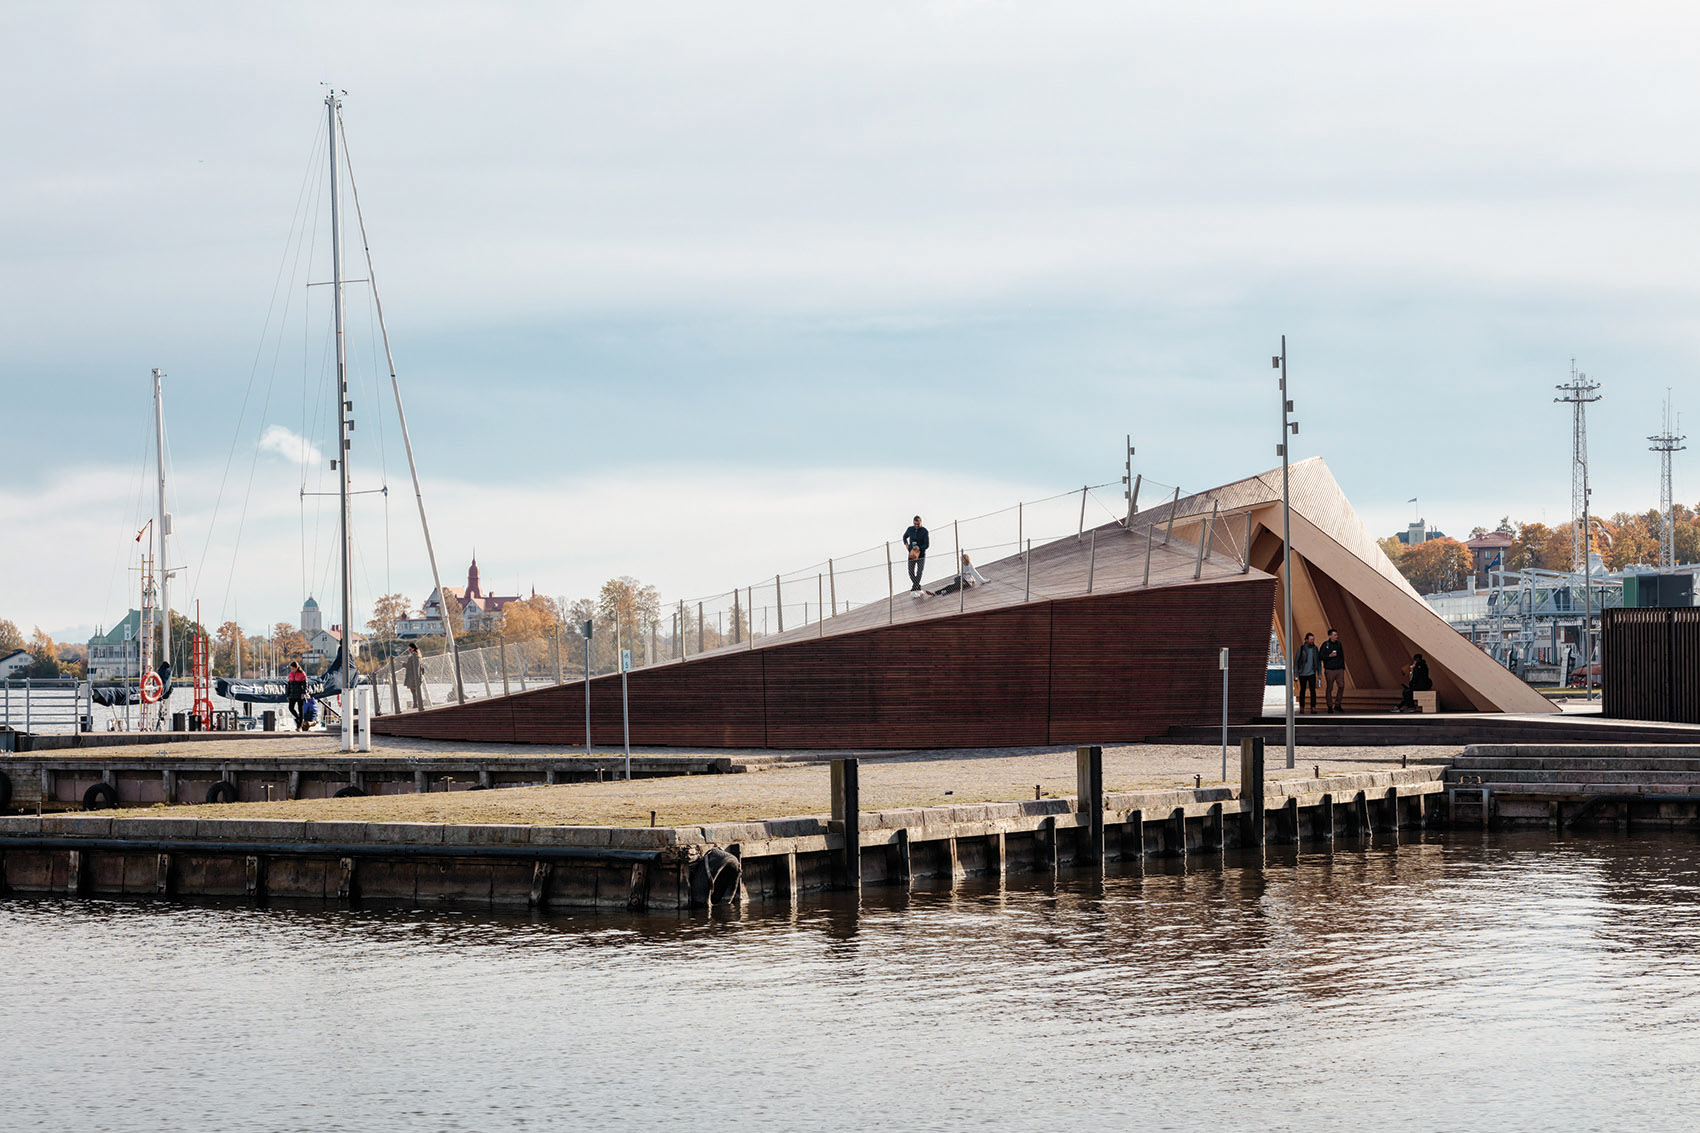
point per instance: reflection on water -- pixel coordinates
(1510, 982)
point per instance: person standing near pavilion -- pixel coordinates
(916, 539)
(1307, 662)
(1333, 653)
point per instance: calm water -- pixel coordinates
(1501, 983)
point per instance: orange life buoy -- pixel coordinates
(152, 688)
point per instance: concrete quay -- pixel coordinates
(64, 780)
(679, 868)
(1576, 786)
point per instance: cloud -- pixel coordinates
(290, 445)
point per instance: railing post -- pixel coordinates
(1027, 573)
(961, 575)
(701, 636)
(1082, 530)
(778, 605)
(1174, 506)
(737, 624)
(890, 588)
(832, 587)
(1206, 532)
(1150, 531)
(555, 652)
(502, 656)
(750, 606)
(1092, 561)
(820, 609)
(1133, 501)
(1245, 559)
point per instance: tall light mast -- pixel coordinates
(343, 423)
(1664, 444)
(1578, 392)
(163, 564)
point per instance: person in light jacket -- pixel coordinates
(968, 576)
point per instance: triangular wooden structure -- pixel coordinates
(1341, 578)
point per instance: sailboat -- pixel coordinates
(342, 674)
(143, 691)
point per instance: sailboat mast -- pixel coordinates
(343, 406)
(164, 519)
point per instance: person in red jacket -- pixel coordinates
(297, 693)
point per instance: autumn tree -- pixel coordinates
(629, 605)
(386, 613)
(1393, 547)
(225, 639)
(529, 618)
(11, 638)
(1437, 565)
(288, 643)
(46, 655)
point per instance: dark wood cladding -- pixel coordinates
(1650, 664)
(1100, 668)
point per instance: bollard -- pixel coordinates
(1251, 791)
(1089, 798)
(847, 812)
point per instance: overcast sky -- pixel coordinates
(702, 292)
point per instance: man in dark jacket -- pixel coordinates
(1307, 662)
(916, 540)
(1333, 653)
(1420, 681)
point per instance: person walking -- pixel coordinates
(1333, 653)
(916, 539)
(1307, 662)
(411, 675)
(297, 688)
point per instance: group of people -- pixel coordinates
(304, 706)
(1329, 660)
(916, 541)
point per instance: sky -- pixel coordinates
(699, 293)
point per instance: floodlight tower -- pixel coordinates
(1664, 444)
(1578, 392)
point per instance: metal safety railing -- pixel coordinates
(48, 704)
(814, 598)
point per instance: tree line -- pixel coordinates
(1624, 539)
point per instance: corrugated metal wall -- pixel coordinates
(1651, 664)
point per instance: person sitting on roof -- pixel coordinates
(968, 577)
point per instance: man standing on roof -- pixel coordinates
(915, 538)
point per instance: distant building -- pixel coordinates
(479, 611)
(310, 619)
(116, 654)
(1418, 532)
(1489, 552)
(15, 662)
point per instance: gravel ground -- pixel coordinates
(777, 790)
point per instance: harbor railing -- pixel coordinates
(818, 597)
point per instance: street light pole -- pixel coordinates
(1289, 428)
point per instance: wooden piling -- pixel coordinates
(902, 868)
(1361, 804)
(1089, 799)
(1251, 791)
(1177, 833)
(1133, 835)
(846, 812)
(996, 857)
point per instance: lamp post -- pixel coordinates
(1289, 428)
(588, 627)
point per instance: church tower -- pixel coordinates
(310, 616)
(472, 590)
